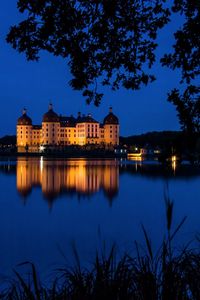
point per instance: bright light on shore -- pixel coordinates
(41, 148)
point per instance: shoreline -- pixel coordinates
(66, 155)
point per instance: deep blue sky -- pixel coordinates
(33, 85)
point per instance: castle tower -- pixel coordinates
(111, 129)
(50, 127)
(24, 132)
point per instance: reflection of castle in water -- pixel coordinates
(81, 177)
(84, 178)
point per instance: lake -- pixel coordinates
(47, 206)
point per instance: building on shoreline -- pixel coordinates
(61, 131)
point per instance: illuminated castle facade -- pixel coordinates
(58, 130)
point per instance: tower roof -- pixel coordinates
(111, 118)
(50, 116)
(24, 119)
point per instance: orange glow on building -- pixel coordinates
(63, 131)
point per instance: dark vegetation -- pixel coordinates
(167, 274)
(155, 139)
(171, 142)
(8, 144)
(8, 140)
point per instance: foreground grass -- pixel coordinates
(166, 275)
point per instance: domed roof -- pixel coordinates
(24, 119)
(51, 116)
(111, 118)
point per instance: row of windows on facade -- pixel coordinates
(62, 135)
(68, 143)
(83, 126)
(61, 131)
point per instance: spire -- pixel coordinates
(24, 111)
(50, 106)
(110, 109)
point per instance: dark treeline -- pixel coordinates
(8, 140)
(175, 141)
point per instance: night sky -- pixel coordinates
(34, 84)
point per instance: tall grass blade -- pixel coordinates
(25, 286)
(178, 228)
(35, 282)
(148, 242)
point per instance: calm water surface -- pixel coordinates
(48, 205)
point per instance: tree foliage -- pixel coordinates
(186, 57)
(113, 42)
(108, 41)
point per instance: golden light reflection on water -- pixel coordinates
(80, 177)
(174, 163)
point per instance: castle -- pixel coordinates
(61, 131)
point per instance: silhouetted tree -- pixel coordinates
(107, 41)
(186, 57)
(113, 42)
